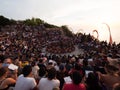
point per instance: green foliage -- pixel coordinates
(12, 21)
(4, 21)
(33, 21)
(49, 25)
(37, 21)
(28, 22)
(66, 31)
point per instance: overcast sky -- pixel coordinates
(79, 15)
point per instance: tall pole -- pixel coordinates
(110, 36)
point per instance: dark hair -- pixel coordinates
(93, 82)
(3, 70)
(27, 70)
(42, 71)
(51, 73)
(85, 62)
(33, 64)
(111, 69)
(77, 66)
(2, 58)
(61, 67)
(92, 78)
(76, 77)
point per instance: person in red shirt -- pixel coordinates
(76, 82)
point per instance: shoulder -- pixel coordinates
(10, 79)
(20, 76)
(36, 67)
(73, 86)
(67, 86)
(43, 79)
(83, 86)
(56, 80)
(101, 76)
(30, 79)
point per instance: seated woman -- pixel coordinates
(5, 82)
(76, 82)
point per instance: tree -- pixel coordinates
(4, 21)
(39, 21)
(49, 25)
(66, 31)
(33, 21)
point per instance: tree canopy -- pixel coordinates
(33, 21)
(66, 31)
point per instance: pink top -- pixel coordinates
(72, 86)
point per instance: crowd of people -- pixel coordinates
(28, 41)
(23, 65)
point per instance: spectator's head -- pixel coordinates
(33, 64)
(61, 67)
(2, 58)
(91, 79)
(76, 77)
(77, 66)
(8, 61)
(42, 71)
(85, 62)
(3, 71)
(51, 73)
(27, 70)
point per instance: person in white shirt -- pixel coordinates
(50, 82)
(26, 81)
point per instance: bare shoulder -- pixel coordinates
(10, 81)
